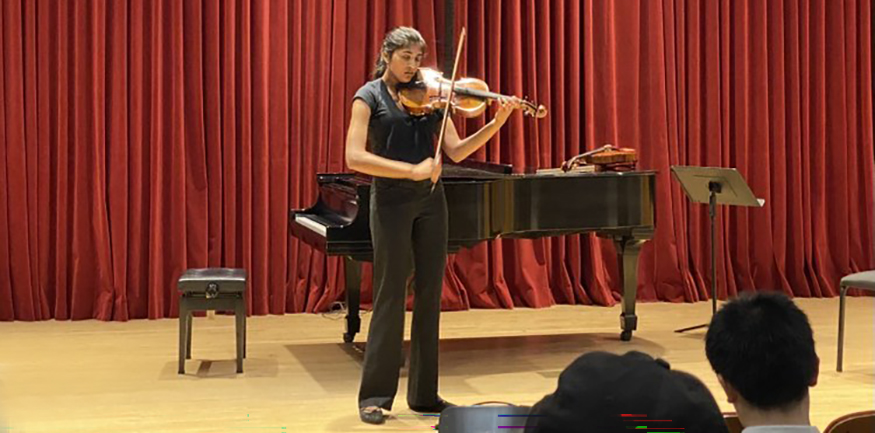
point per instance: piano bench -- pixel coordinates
(204, 289)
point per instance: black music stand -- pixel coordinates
(714, 185)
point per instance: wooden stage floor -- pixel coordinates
(94, 376)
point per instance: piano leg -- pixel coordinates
(627, 256)
(353, 273)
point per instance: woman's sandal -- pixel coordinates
(372, 415)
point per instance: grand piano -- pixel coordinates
(488, 201)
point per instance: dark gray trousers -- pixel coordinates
(409, 232)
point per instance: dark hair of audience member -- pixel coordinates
(763, 346)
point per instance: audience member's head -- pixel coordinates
(762, 349)
(599, 388)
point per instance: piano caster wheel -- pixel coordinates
(347, 337)
(626, 335)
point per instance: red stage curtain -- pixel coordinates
(138, 139)
(781, 90)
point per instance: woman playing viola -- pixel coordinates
(408, 223)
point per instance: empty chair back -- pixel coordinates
(857, 422)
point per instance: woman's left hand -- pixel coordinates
(508, 105)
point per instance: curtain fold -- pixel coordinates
(141, 138)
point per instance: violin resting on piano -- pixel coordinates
(605, 158)
(487, 201)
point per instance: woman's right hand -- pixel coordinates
(427, 169)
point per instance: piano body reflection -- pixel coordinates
(487, 201)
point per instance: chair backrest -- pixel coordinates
(732, 422)
(857, 422)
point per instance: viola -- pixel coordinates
(605, 158)
(429, 91)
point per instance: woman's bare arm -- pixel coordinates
(458, 149)
(359, 159)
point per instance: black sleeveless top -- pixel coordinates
(392, 132)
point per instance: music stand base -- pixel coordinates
(682, 330)
(713, 189)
